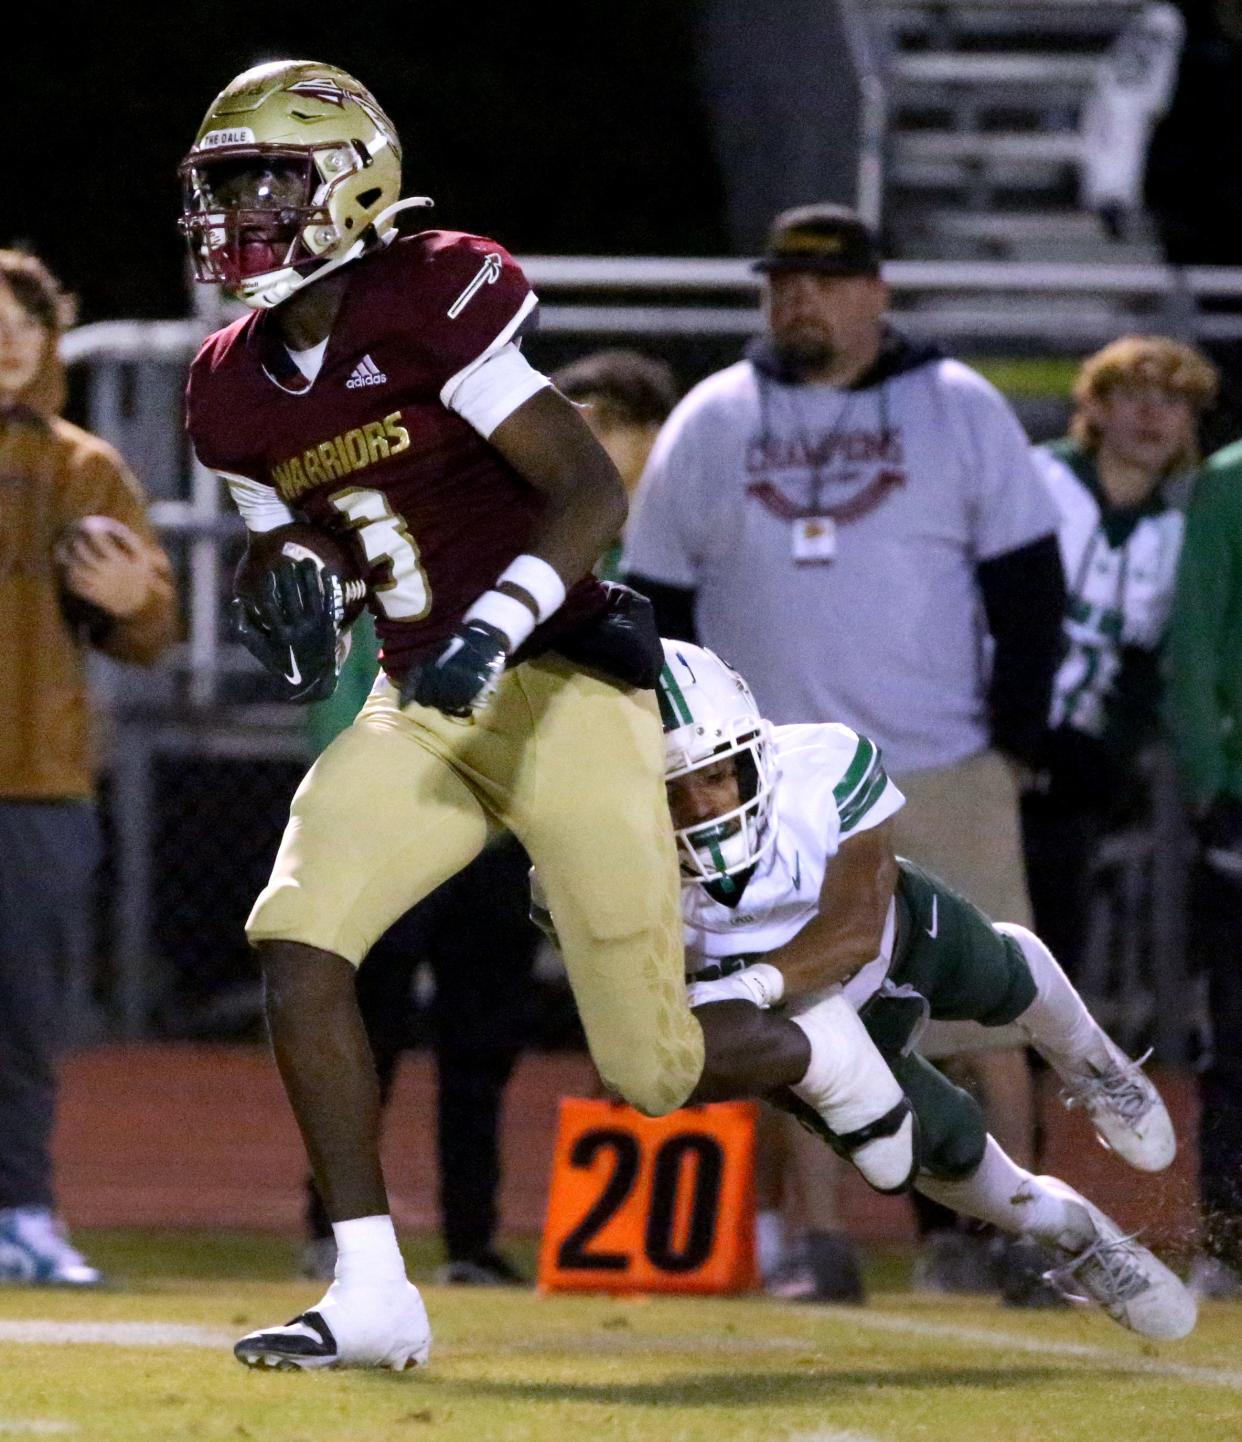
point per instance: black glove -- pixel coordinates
(622, 641)
(290, 625)
(463, 678)
(1220, 832)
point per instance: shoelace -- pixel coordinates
(1111, 1261)
(1123, 1087)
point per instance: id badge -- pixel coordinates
(814, 539)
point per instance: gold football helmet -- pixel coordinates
(295, 171)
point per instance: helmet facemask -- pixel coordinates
(259, 249)
(734, 839)
(295, 171)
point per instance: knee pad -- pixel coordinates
(659, 1077)
(654, 1095)
(956, 1157)
(953, 1133)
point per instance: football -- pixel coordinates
(301, 541)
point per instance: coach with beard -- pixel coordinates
(855, 522)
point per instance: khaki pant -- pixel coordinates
(574, 767)
(962, 823)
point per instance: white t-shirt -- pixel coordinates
(920, 478)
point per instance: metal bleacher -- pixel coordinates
(985, 100)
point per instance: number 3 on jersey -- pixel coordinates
(405, 595)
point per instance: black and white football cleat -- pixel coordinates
(362, 1328)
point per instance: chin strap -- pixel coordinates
(284, 283)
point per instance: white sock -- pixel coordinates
(1061, 1028)
(1002, 1193)
(367, 1253)
(769, 1241)
(847, 1081)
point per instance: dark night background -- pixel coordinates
(556, 128)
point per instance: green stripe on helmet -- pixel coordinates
(674, 711)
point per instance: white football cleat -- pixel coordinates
(1134, 1287)
(358, 1327)
(35, 1249)
(1125, 1108)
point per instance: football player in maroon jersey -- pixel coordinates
(378, 392)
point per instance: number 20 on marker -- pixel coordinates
(651, 1204)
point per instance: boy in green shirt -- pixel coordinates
(1204, 712)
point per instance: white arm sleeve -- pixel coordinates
(260, 506)
(491, 391)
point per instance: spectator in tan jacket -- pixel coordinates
(79, 567)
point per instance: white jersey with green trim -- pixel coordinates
(831, 785)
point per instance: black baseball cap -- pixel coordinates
(830, 239)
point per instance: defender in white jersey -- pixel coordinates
(792, 892)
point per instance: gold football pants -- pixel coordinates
(574, 767)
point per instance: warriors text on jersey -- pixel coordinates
(832, 785)
(371, 447)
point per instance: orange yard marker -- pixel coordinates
(651, 1204)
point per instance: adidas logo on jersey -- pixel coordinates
(365, 373)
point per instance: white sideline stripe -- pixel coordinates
(114, 1334)
(1013, 1342)
(42, 1332)
(35, 1427)
(709, 1343)
(833, 1436)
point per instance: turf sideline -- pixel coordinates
(176, 1334)
(1014, 1342)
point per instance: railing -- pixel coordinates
(136, 371)
(872, 111)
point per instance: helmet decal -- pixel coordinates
(322, 88)
(673, 708)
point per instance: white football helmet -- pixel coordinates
(709, 715)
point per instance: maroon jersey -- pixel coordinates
(369, 450)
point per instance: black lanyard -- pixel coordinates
(802, 436)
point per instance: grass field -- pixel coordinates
(150, 1359)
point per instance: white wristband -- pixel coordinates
(761, 984)
(766, 982)
(506, 613)
(538, 580)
